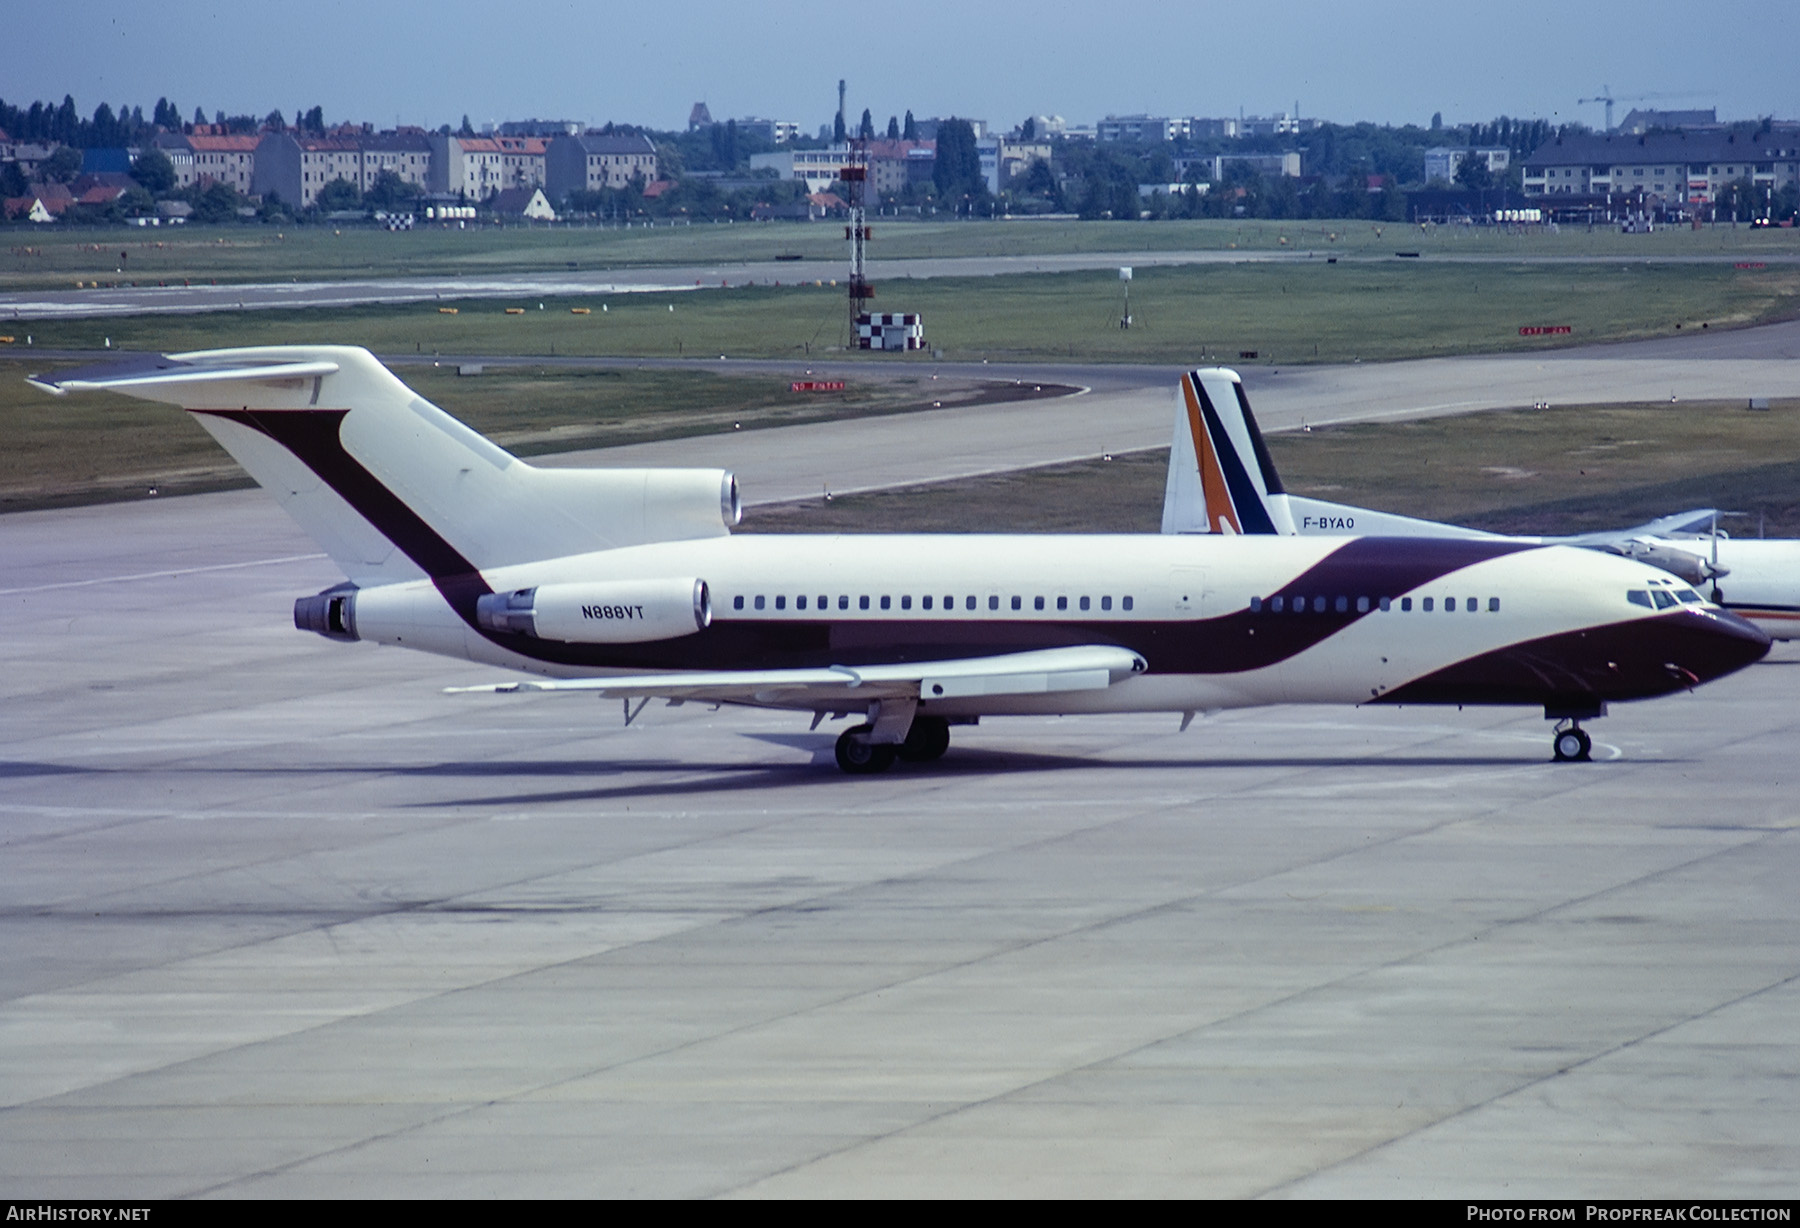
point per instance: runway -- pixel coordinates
(283, 919)
(136, 300)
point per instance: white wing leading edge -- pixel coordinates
(1039, 672)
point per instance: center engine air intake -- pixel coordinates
(331, 613)
(604, 612)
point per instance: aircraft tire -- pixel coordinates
(927, 740)
(1573, 746)
(858, 756)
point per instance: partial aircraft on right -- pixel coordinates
(1222, 480)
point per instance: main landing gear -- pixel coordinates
(926, 739)
(1572, 744)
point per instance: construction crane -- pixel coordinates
(1606, 96)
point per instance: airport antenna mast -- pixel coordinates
(855, 175)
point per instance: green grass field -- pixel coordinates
(1287, 313)
(1564, 470)
(36, 258)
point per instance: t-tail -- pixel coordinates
(1222, 479)
(392, 487)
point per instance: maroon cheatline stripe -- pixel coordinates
(1635, 659)
(312, 435)
(1231, 643)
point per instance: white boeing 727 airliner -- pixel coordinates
(629, 583)
(1222, 480)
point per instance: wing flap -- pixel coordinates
(1042, 671)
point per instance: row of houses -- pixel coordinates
(1140, 129)
(296, 166)
(895, 164)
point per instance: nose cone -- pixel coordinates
(1636, 659)
(1676, 651)
(1717, 642)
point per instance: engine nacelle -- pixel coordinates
(1690, 566)
(331, 613)
(600, 612)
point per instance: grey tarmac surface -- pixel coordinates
(283, 919)
(787, 463)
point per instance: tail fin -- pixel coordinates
(1221, 479)
(390, 485)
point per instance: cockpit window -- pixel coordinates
(1663, 598)
(1638, 596)
(1688, 596)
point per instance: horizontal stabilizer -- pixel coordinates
(1040, 672)
(171, 371)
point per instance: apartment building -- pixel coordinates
(594, 161)
(208, 155)
(1667, 169)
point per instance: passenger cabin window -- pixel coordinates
(1037, 603)
(1426, 605)
(862, 603)
(759, 601)
(737, 603)
(925, 602)
(1127, 603)
(1018, 603)
(887, 603)
(781, 603)
(906, 603)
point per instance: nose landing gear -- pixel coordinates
(1572, 744)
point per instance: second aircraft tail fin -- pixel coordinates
(1221, 479)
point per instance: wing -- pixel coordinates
(1040, 672)
(1700, 520)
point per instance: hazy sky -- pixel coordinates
(1391, 61)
